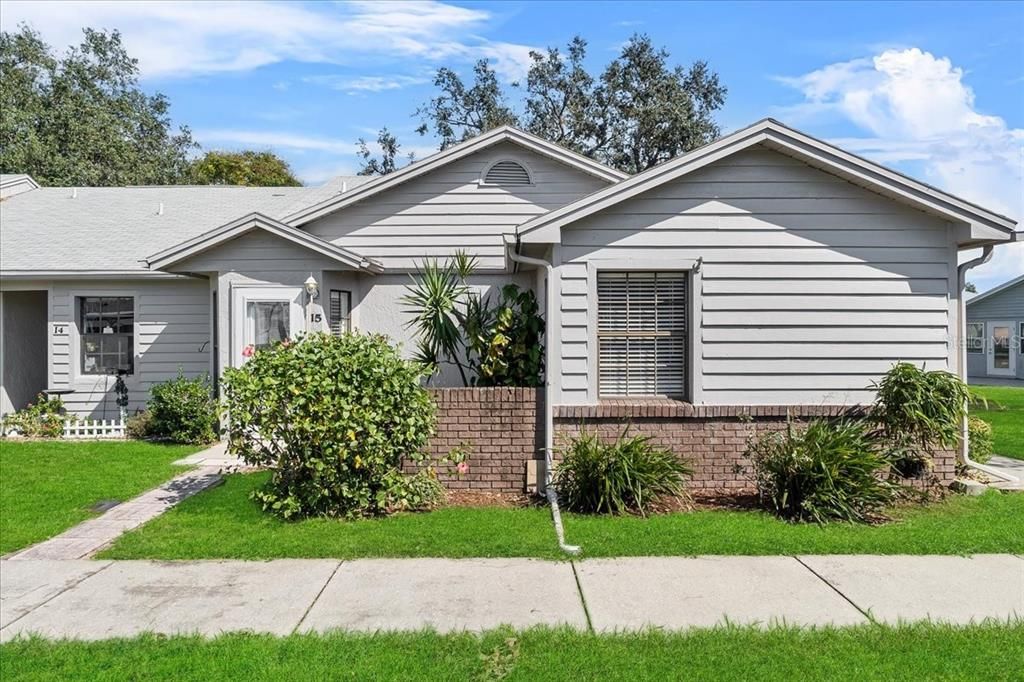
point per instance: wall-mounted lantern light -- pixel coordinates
(312, 288)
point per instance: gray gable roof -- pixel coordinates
(114, 229)
(996, 291)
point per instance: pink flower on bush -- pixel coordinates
(286, 343)
(248, 351)
(462, 468)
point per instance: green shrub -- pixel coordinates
(415, 492)
(183, 410)
(979, 434)
(332, 417)
(627, 475)
(917, 411)
(508, 349)
(822, 472)
(42, 419)
(139, 426)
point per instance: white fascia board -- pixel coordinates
(985, 224)
(254, 221)
(422, 167)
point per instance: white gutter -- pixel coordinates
(549, 419)
(965, 442)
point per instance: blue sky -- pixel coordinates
(933, 89)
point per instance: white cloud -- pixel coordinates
(357, 84)
(177, 39)
(319, 173)
(915, 108)
(272, 139)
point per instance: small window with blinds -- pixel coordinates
(507, 173)
(340, 312)
(641, 334)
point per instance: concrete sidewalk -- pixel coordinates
(101, 599)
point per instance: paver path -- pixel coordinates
(89, 537)
(216, 455)
(101, 599)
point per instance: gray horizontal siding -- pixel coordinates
(434, 216)
(1008, 304)
(172, 332)
(812, 287)
(259, 256)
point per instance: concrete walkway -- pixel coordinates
(995, 381)
(102, 599)
(1008, 465)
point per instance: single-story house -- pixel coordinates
(766, 270)
(995, 332)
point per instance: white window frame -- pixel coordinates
(487, 169)
(79, 379)
(694, 372)
(971, 350)
(242, 294)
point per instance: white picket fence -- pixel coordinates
(94, 428)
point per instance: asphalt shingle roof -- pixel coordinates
(115, 228)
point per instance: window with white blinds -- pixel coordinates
(641, 334)
(340, 312)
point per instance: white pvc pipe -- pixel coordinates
(965, 441)
(549, 419)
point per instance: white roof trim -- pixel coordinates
(991, 292)
(236, 228)
(17, 179)
(90, 274)
(454, 153)
(786, 140)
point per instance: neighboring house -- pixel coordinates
(995, 331)
(767, 268)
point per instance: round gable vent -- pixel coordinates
(507, 173)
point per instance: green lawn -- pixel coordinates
(47, 486)
(224, 523)
(1006, 415)
(928, 652)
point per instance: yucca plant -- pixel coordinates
(437, 297)
(626, 475)
(821, 472)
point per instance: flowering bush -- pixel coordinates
(332, 417)
(42, 419)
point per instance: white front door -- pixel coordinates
(1002, 360)
(261, 316)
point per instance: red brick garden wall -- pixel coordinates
(712, 437)
(502, 429)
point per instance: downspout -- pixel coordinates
(549, 419)
(965, 443)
